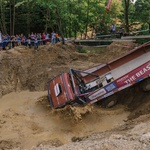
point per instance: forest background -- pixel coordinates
(71, 18)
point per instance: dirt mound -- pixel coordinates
(8, 144)
(106, 54)
(117, 49)
(23, 68)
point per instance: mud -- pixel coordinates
(28, 122)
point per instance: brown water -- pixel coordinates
(26, 120)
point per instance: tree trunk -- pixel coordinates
(4, 22)
(1, 25)
(60, 26)
(28, 17)
(70, 28)
(46, 24)
(75, 32)
(2, 18)
(10, 15)
(87, 19)
(127, 15)
(65, 32)
(70, 21)
(14, 13)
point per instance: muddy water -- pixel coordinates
(26, 120)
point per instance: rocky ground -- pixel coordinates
(28, 122)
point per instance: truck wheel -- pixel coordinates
(109, 102)
(145, 85)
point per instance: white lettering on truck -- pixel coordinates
(138, 74)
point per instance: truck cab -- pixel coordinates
(60, 91)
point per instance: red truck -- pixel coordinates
(98, 83)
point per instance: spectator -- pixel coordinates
(32, 36)
(12, 41)
(8, 42)
(35, 43)
(53, 35)
(29, 42)
(39, 38)
(0, 40)
(47, 37)
(43, 38)
(29, 36)
(0, 37)
(18, 39)
(4, 44)
(112, 29)
(57, 38)
(121, 32)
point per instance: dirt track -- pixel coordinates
(27, 121)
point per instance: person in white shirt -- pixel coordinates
(35, 43)
(53, 34)
(113, 29)
(0, 40)
(0, 37)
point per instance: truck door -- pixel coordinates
(57, 93)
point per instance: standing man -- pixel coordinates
(0, 37)
(121, 32)
(57, 38)
(35, 43)
(53, 35)
(43, 38)
(0, 40)
(113, 29)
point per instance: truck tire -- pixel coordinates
(109, 102)
(145, 85)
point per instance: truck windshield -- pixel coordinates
(82, 87)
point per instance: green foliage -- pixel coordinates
(142, 10)
(82, 50)
(116, 9)
(96, 50)
(72, 17)
(142, 41)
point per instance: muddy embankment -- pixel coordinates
(28, 122)
(23, 68)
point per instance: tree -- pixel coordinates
(142, 12)
(2, 16)
(126, 14)
(69, 17)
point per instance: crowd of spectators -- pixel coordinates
(31, 40)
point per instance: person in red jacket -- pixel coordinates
(43, 38)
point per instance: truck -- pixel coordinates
(98, 83)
